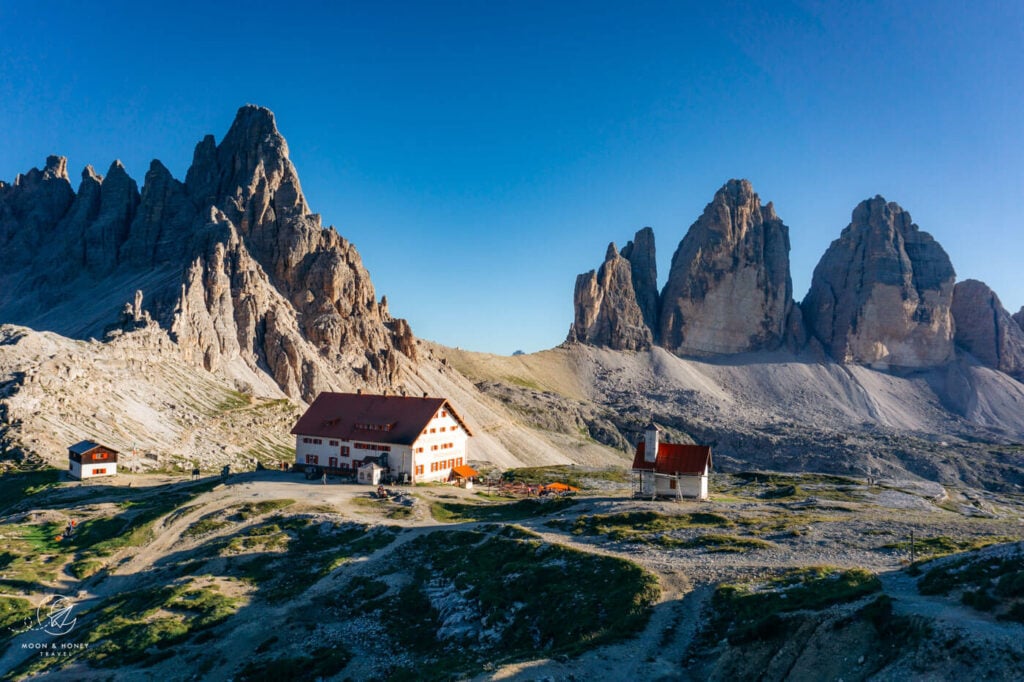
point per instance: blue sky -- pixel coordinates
(481, 154)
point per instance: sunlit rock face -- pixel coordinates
(231, 263)
(607, 310)
(729, 288)
(881, 294)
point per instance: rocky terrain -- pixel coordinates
(777, 577)
(231, 264)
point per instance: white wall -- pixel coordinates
(84, 471)
(452, 433)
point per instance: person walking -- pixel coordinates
(324, 479)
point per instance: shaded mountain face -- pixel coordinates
(882, 292)
(231, 263)
(607, 310)
(985, 329)
(729, 289)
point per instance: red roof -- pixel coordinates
(674, 458)
(373, 418)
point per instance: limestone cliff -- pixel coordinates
(606, 309)
(985, 329)
(729, 289)
(231, 263)
(882, 292)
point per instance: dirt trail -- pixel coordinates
(908, 601)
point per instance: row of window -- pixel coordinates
(442, 446)
(443, 428)
(312, 441)
(374, 427)
(445, 464)
(372, 446)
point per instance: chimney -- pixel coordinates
(359, 391)
(651, 442)
(385, 393)
(424, 394)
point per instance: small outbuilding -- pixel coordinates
(670, 469)
(463, 475)
(370, 473)
(89, 460)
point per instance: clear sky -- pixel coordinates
(482, 154)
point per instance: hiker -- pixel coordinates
(324, 479)
(195, 473)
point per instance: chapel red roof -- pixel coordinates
(370, 417)
(674, 458)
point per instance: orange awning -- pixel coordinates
(465, 471)
(560, 488)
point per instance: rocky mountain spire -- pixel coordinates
(33, 205)
(606, 309)
(231, 262)
(644, 269)
(881, 294)
(729, 289)
(985, 329)
(103, 237)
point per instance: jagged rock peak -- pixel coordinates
(729, 289)
(881, 293)
(253, 156)
(985, 329)
(641, 256)
(606, 309)
(234, 267)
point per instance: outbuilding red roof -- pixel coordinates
(674, 458)
(373, 418)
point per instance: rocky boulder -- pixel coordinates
(985, 329)
(729, 289)
(882, 292)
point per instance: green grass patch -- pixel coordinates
(985, 583)
(634, 526)
(204, 526)
(233, 400)
(134, 527)
(746, 612)
(715, 542)
(539, 599)
(144, 626)
(15, 486)
(265, 555)
(459, 512)
(523, 383)
(15, 615)
(942, 545)
(85, 568)
(251, 510)
(319, 664)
